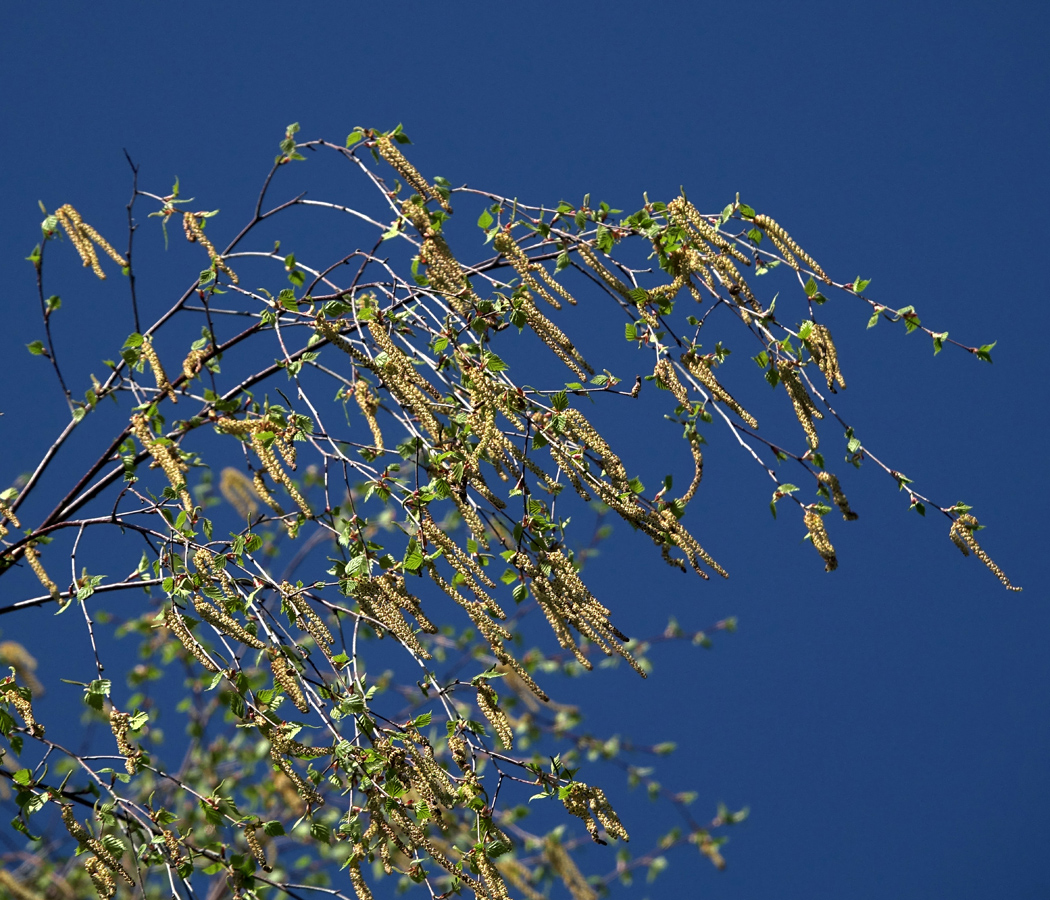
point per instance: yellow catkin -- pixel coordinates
(166, 456)
(108, 859)
(225, 623)
(7, 513)
(277, 473)
(488, 703)
(406, 170)
(700, 367)
(101, 878)
(238, 491)
(161, 377)
(685, 215)
(819, 535)
(588, 255)
(554, 337)
(565, 868)
(528, 270)
(443, 270)
(588, 804)
(33, 558)
(369, 405)
(119, 722)
(698, 469)
(252, 839)
(286, 678)
(171, 842)
(822, 348)
(788, 248)
(961, 534)
(666, 375)
(16, 696)
(177, 625)
(195, 235)
(81, 236)
(358, 880)
(305, 617)
(194, 362)
(805, 409)
(837, 496)
(490, 876)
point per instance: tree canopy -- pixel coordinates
(360, 501)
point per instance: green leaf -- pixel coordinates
(755, 235)
(630, 331)
(985, 352)
(746, 211)
(874, 320)
(36, 348)
(414, 557)
(352, 138)
(938, 342)
(636, 485)
(860, 283)
(23, 777)
(811, 288)
(560, 401)
(485, 219)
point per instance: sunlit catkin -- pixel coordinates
(33, 558)
(252, 840)
(101, 878)
(805, 409)
(488, 703)
(564, 866)
(177, 625)
(837, 496)
(19, 698)
(159, 375)
(823, 351)
(700, 367)
(238, 491)
(788, 248)
(195, 235)
(406, 170)
(82, 236)
(819, 535)
(119, 723)
(961, 534)
(285, 677)
(369, 405)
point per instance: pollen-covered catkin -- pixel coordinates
(805, 409)
(962, 536)
(19, 698)
(175, 623)
(701, 368)
(564, 866)
(369, 405)
(787, 246)
(81, 235)
(822, 347)
(837, 496)
(101, 878)
(409, 172)
(252, 839)
(285, 677)
(33, 558)
(488, 703)
(195, 235)
(149, 353)
(119, 723)
(819, 535)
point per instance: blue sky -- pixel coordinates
(887, 724)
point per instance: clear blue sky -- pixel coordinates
(887, 724)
